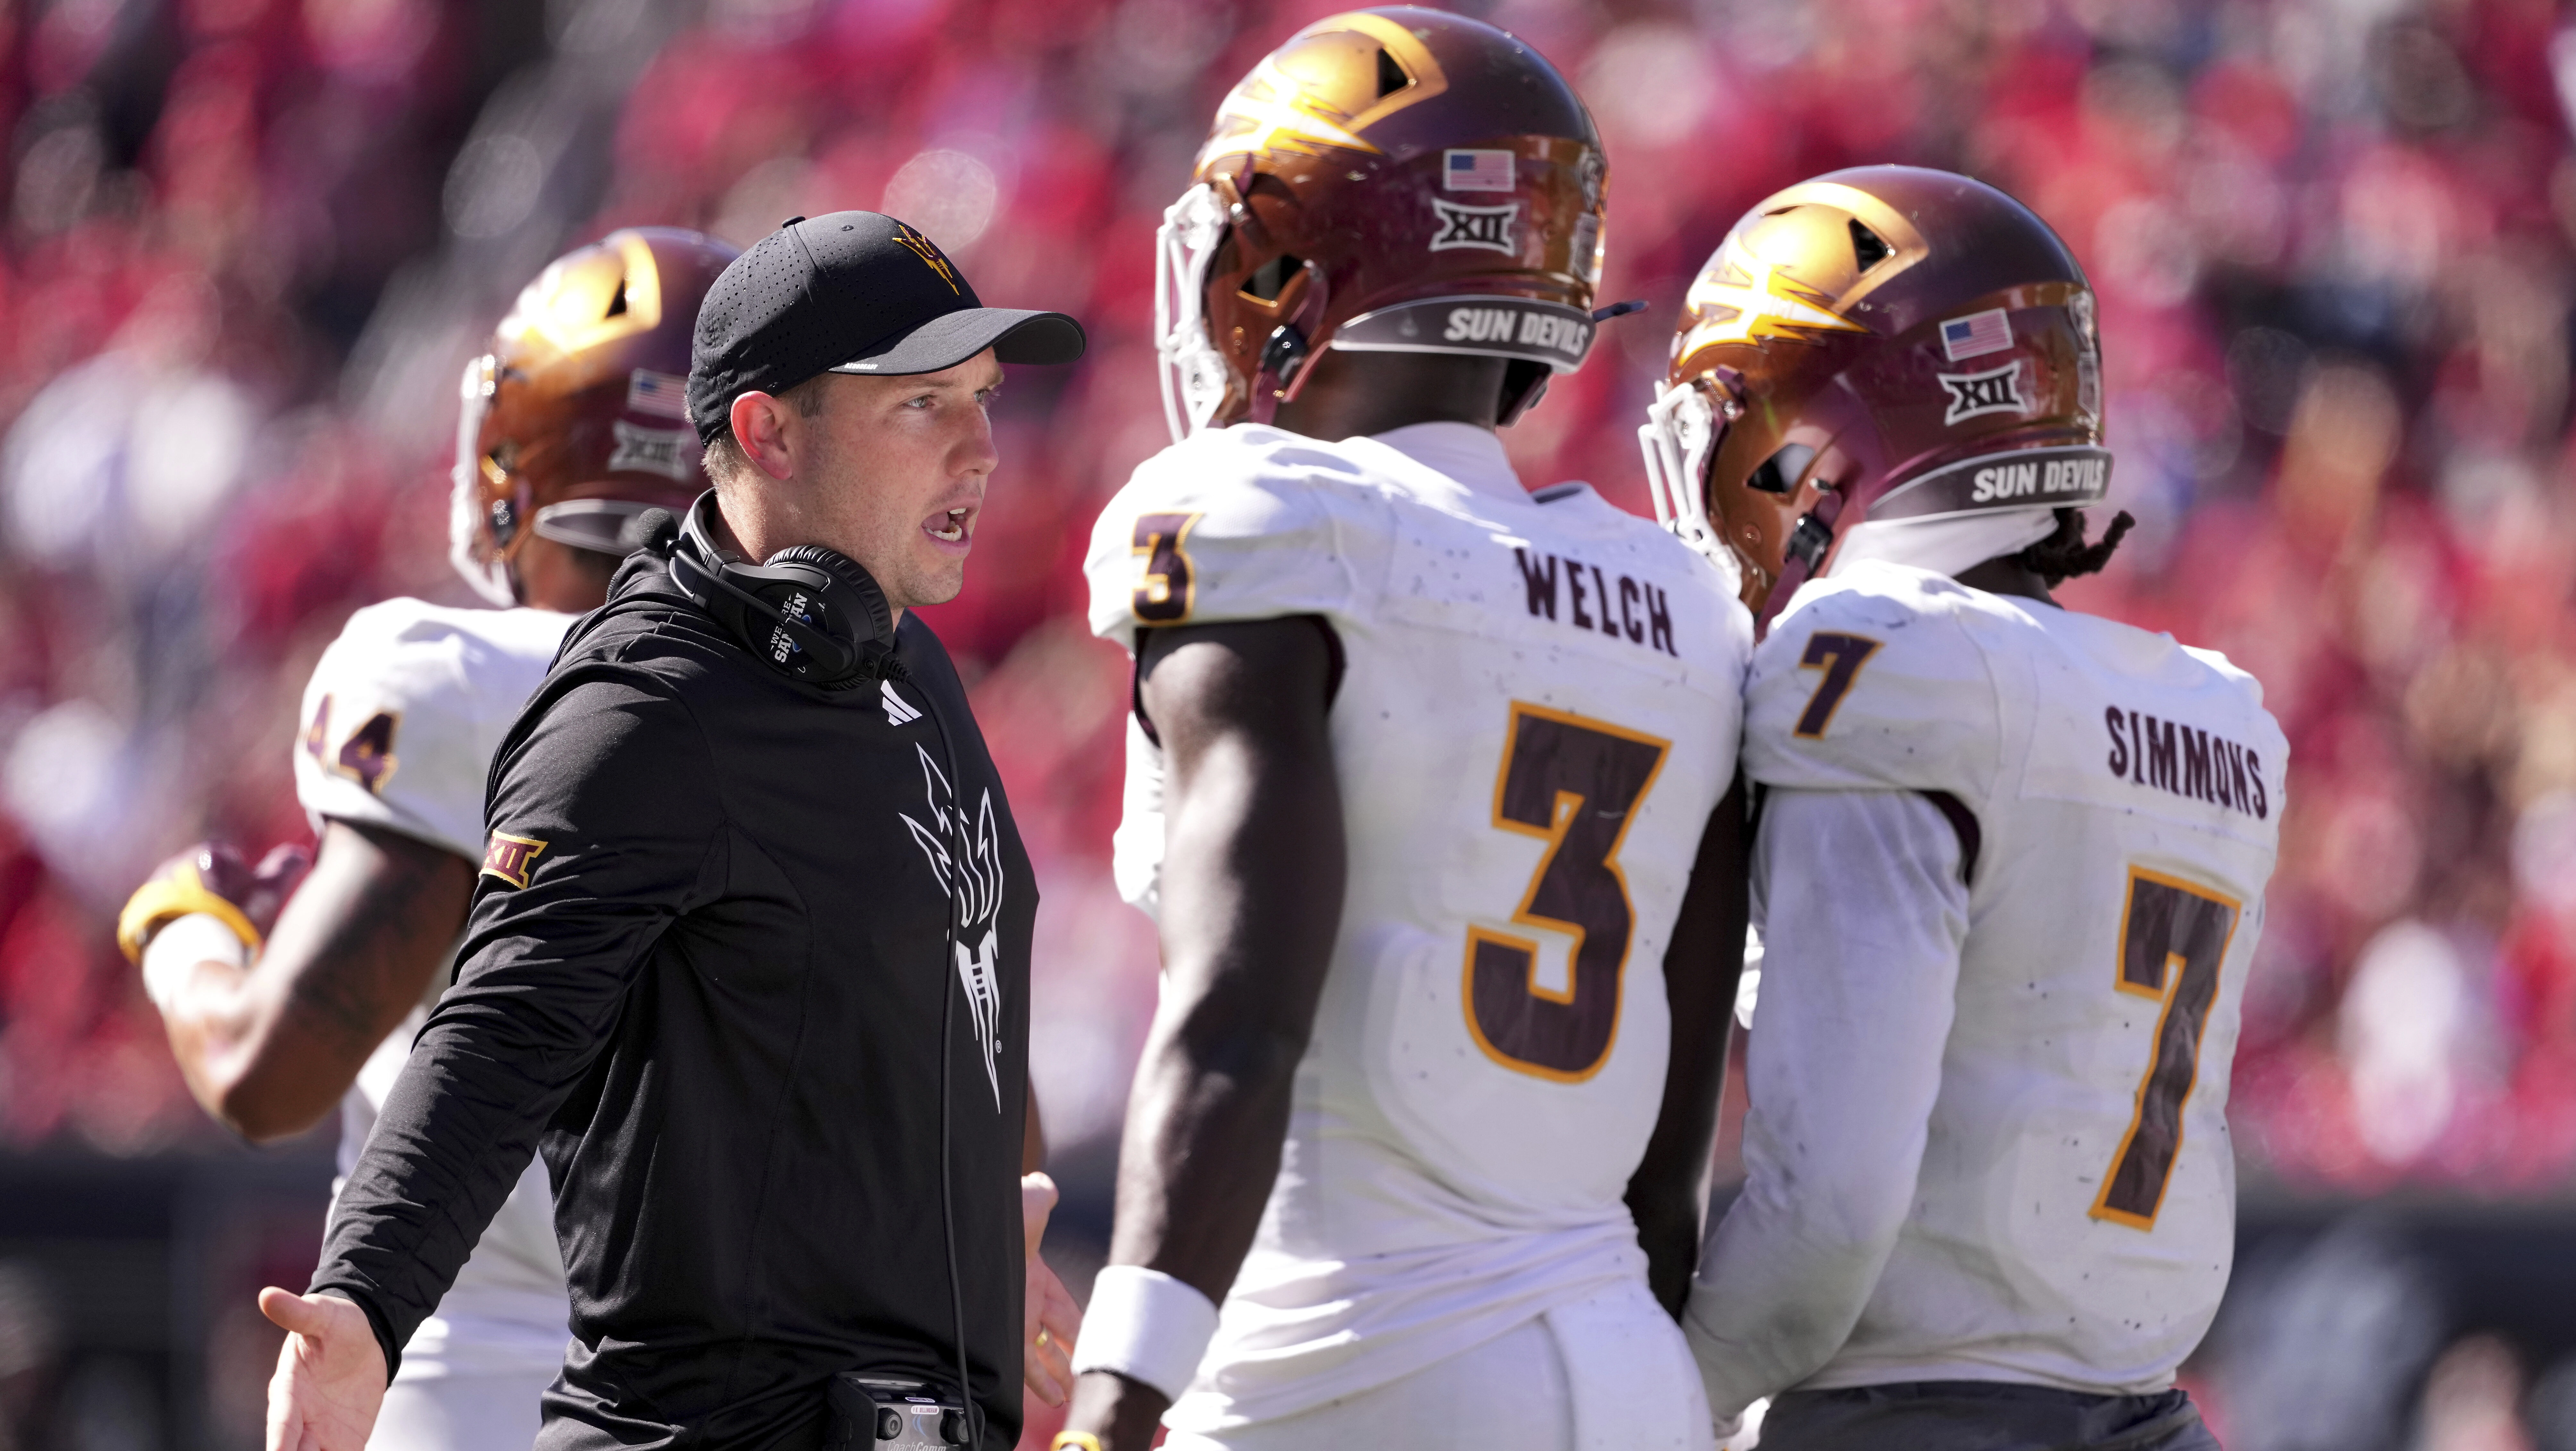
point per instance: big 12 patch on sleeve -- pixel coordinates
(511, 858)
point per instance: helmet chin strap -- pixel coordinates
(1287, 359)
(1804, 559)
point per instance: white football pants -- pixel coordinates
(1610, 1372)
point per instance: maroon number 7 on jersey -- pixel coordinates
(1840, 657)
(2173, 936)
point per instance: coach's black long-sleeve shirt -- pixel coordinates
(704, 975)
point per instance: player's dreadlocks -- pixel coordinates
(2063, 554)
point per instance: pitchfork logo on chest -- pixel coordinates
(967, 859)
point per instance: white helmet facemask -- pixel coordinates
(1193, 371)
(1681, 430)
(490, 576)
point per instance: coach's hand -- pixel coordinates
(1053, 1318)
(330, 1374)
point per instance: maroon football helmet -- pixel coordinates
(1398, 179)
(1887, 345)
(578, 419)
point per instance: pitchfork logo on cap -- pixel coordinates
(920, 246)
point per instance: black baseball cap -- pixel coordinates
(852, 292)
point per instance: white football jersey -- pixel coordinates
(400, 722)
(2073, 1219)
(1537, 711)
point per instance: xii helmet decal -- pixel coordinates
(1973, 395)
(1486, 227)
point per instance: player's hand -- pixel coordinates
(212, 877)
(1126, 1415)
(330, 1374)
(1053, 1319)
(273, 881)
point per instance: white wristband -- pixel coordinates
(179, 946)
(1146, 1326)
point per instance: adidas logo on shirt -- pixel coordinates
(898, 711)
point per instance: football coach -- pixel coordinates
(748, 958)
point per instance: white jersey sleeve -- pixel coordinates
(1235, 524)
(1843, 1075)
(1876, 686)
(404, 710)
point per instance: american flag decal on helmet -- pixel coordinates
(1976, 335)
(1476, 171)
(664, 395)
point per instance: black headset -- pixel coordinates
(810, 612)
(797, 612)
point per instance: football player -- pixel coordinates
(2011, 858)
(574, 424)
(1430, 789)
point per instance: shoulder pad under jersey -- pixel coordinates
(404, 710)
(1241, 523)
(1875, 680)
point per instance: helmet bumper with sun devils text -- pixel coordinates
(1886, 362)
(578, 418)
(1398, 180)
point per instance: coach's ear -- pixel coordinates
(761, 430)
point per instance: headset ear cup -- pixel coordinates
(807, 601)
(865, 602)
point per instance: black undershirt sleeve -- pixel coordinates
(607, 827)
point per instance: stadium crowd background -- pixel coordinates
(250, 243)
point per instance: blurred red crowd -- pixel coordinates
(2332, 245)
